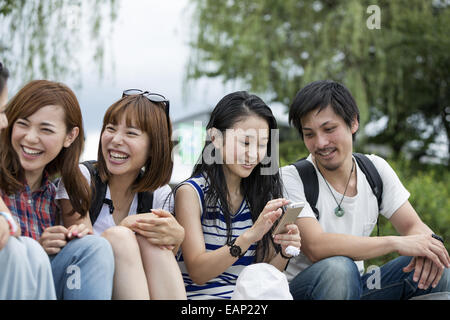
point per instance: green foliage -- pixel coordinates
(401, 71)
(42, 39)
(429, 186)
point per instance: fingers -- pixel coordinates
(437, 278)
(53, 246)
(430, 278)
(439, 249)
(56, 229)
(289, 238)
(78, 231)
(426, 268)
(410, 267)
(272, 216)
(53, 239)
(418, 268)
(273, 205)
(162, 213)
(153, 218)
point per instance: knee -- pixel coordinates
(26, 251)
(14, 251)
(339, 279)
(150, 249)
(93, 247)
(119, 236)
(339, 268)
(36, 252)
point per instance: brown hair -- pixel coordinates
(35, 95)
(151, 118)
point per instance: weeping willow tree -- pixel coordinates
(399, 72)
(44, 39)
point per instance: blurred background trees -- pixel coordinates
(399, 75)
(45, 39)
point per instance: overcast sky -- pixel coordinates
(150, 51)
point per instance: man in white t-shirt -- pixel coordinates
(334, 247)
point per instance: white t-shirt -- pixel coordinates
(105, 219)
(361, 211)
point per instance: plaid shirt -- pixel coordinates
(36, 211)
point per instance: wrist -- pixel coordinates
(9, 219)
(435, 236)
(249, 236)
(393, 243)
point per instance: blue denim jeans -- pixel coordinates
(84, 269)
(25, 271)
(338, 278)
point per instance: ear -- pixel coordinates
(71, 136)
(355, 125)
(216, 137)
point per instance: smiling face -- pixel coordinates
(39, 138)
(328, 138)
(245, 145)
(124, 147)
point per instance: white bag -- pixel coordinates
(261, 281)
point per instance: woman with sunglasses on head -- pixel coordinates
(134, 166)
(232, 200)
(45, 138)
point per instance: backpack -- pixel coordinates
(145, 199)
(310, 181)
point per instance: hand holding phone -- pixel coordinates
(289, 217)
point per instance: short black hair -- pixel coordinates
(319, 95)
(4, 75)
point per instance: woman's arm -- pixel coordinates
(202, 265)
(159, 227)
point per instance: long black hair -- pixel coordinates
(257, 188)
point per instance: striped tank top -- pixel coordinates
(215, 235)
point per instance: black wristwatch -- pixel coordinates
(438, 238)
(235, 250)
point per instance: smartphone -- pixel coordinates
(289, 217)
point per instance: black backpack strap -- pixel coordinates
(308, 175)
(99, 190)
(145, 202)
(374, 179)
(372, 175)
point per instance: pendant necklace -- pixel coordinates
(339, 211)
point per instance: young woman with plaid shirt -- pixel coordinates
(45, 137)
(26, 271)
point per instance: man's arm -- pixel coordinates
(318, 244)
(416, 240)
(407, 222)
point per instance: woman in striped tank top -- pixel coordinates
(232, 200)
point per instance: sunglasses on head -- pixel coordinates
(153, 97)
